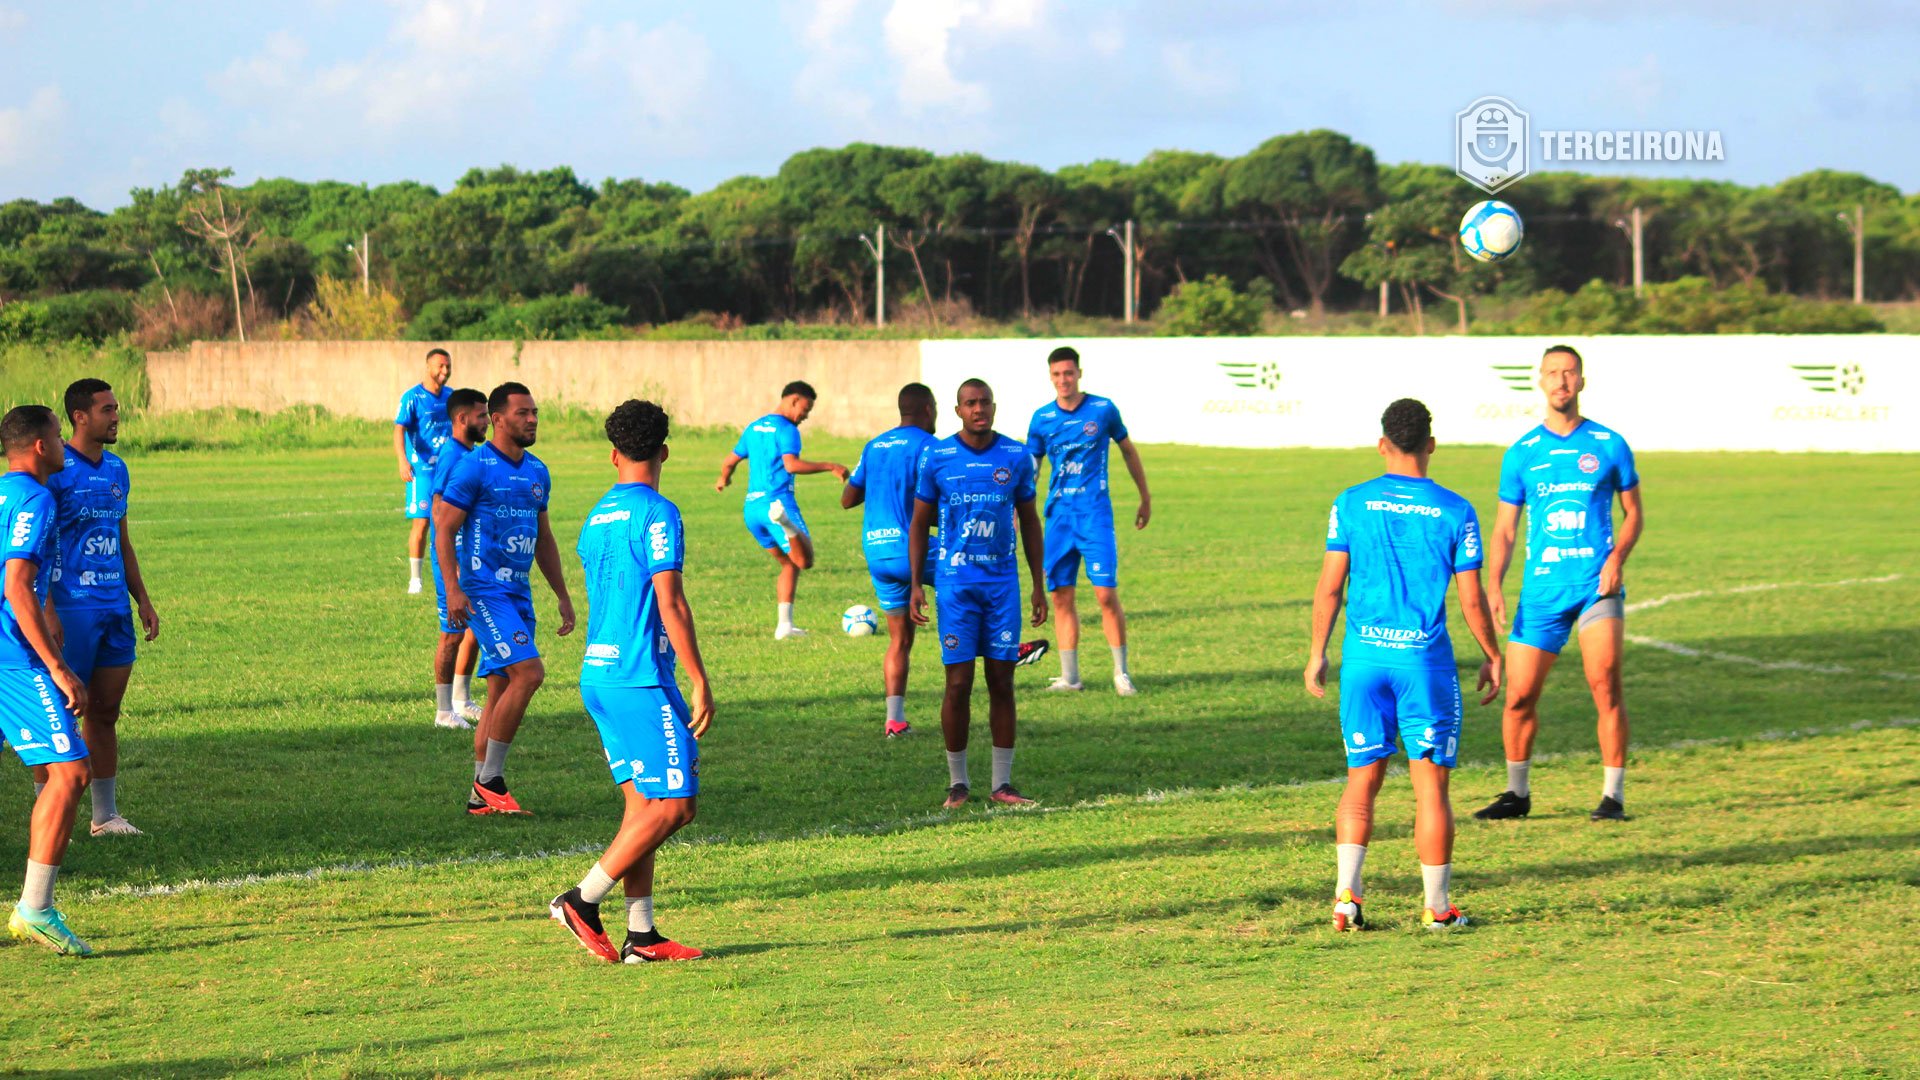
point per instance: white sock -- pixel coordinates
(1517, 777)
(1120, 660)
(462, 691)
(956, 766)
(785, 621)
(896, 708)
(413, 568)
(639, 914)
(1070, 665)
(443, 696)
(1436, 878)
(1002, 766)
(495, 762)
(37, 789)
(37, 894)
(106, 805)
(1613, 782)
(596, 885)
(1350, 858)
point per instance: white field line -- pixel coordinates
(497, 858)
(1755, 662)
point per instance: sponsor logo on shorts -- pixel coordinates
(1006, 635)
(1359, 739)
(1589, 463)
(505, 650)
(676, 778)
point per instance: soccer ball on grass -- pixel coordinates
(859, 621)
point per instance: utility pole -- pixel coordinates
(1127, 303)
(1858, 226)
(1633, 227)
(365, 256)
(876, 245)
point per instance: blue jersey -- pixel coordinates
(89, 573)
(765, 444)
(27, 516)
(975, 493)
(503, 502)
(888, 469)
(1567, 483)
(631, 534)
(1075, 442)
(1405, 537)
(424, 416)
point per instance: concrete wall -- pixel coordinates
(701, 383)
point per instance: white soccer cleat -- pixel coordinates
(115, 826)
(450, 719)
(777, 513)
(782, 633)
(413, 587)
(1123, 685)
(469, 710)
(1063, 684)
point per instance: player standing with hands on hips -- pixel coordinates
(419, 429)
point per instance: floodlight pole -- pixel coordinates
(876, 245)
(1126, 248)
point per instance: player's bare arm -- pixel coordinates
(676, 617)
(54, 628)
(731, 463)
(137, 586)
(799, 466)
(918, 542)
(1033, 543)
(1626, 534)
(546, 553)
(448, 520)
(400, 451)
(1328, 594)
(1473, 606)
(1500, 543)
(33, 623)
(851, 496)
(1131, 455)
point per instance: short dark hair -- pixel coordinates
(25, 424)
(1407, 424)
(464, 398)
(981, 383)
(80, 395)
(638, 429)
(497, 401)
(1578, 364)
(1064, 352)
(914, 397)
(798, 387)
(431, 353)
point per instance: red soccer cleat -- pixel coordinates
(637, 952)
(582, 920)
(1005, 795)
(493, 797)
(897, 728)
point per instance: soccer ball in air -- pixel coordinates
(859, 621)
(1491, 230)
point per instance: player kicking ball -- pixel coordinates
(639, 623)
(1400, 538)
(975, 485)
(457, 651)
(1566, 473)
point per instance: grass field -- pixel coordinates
(311, 900)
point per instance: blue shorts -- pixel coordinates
(1415, 707)
(503, 626)
(979, 619)
(893, 579)
(419, 493)
(766, 533)
(1073, 537)
(1546, 620)
(644, 732)
(34, 714)
(439, 586)
(97, 638)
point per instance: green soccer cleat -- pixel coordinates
(49, 929)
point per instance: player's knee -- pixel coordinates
(1109, 600)
(528, 675)
(680, 812)
(1606, 690)
(69, 776)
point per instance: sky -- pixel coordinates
(97, 98)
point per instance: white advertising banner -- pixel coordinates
(1839, 392)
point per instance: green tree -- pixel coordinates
(1303, 194)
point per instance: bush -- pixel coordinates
(342, 312)
(94, 315)
(443, 320)
(1212, 307)
(1690, 305)
(40, 374)
(548, 318)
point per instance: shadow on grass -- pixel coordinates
(339, 1060)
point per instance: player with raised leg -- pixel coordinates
(1400, 538)
(639, 623)
(1072, 434)
(419, 428)
(498, 496)
(39, 694)
(1566, 472)
(771, 448)
(975, 486)
(457, 651)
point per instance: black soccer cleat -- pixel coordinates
(1608, 810)
(1031, 652)
(1508, 805)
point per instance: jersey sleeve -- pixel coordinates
(1625, 476)
(1036, 439)
(858, 478)
(546, 486)
(740, 447)
(1513, 487)
(1336, 533)
(1116, 427)
(463, 487)
(404, 416)
(1025, 479)
(1466, 542)
(925, 488)
(30, 532)
(663, 546)
(787, 440)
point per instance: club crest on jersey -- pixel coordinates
(1589, 463)
(1002, 475)
(538, 491)
(117, 491)
(1089, 428)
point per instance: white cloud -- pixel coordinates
(1197, 75)
(30, 133)
(12, 20)
(920, 37)
(835, 51)
(669, 68)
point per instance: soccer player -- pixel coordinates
(975, 485)
(1072, 433)
(496, 501)
(455, 655)
(883, 481)
(1566, 472)
(638, 623)
(96, 585)
(1400, 538)
(771, 448)
(419, 430)
(39, 694)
